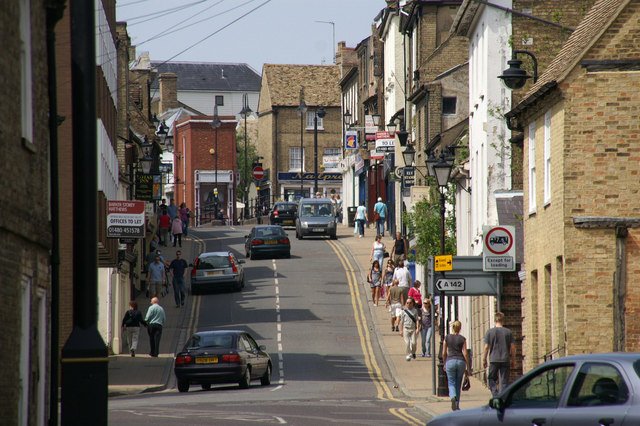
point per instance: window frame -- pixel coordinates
(531, 165)
(455, 104)
(310, 115)
(293, 158)
(219, 100)
(547, 158)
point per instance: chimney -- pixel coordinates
(168, 91)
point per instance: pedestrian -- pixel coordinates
(155, 321)
(339, 207)
(400, 248)
(156, 276)
(185, 215)
(164, 224)
(377, 250)
(361, 219)
(425, 328)
(410, 327)
(387, 279)
(374, 278)
(456, 362)
(318, 194)
(131, 323)
(380, 216)
(177, 267)
(414, 293)
(394, 303)
(403, 276)
(172, 209)
(176, 230)
(499, 346)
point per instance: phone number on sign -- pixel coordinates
(124, 231)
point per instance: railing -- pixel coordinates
(550, 355)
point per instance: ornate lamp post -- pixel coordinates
(302, 110)
(245, 113)
(320, 113)
(215, 123)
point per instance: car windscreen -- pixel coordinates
(269, 232)
(213, 262)
(224, 341)
(315, 210)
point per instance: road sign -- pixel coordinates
(258, 173)
(499, 249)
(125, 219)
(450, 284)
(444, 263)
(468, 268)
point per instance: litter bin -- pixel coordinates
(351, 216)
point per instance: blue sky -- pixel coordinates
(278, 32)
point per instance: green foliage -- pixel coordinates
(252, 154)
(423, 223)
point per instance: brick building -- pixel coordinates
(581, 211)
(282, 130)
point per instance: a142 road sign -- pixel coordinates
(450, 284)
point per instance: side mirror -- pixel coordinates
(497, 403)
(262, 347)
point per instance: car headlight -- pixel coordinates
(332, 224)
(305, 225)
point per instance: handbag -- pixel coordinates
(466, 383)
(386, 254)
(376, 216)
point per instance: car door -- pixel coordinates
(599, 396)
(247, 241)
(251, 355)
(262, 360)
(533, 400)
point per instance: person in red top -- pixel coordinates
(164, 224)
(414, 293)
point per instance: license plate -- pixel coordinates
(271, 242)
(318, 229)
(207, 360)
(212, 273)
(288, 222)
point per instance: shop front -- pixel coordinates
(294, 185)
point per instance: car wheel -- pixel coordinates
(245, 381)
(183, 386)
(333, 236)
(206, 386)
(251, 255)
(265, 380)
(297, 235)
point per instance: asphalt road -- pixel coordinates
(306, 311)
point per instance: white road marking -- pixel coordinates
(279, 328)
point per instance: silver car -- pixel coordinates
(593, 389)
(212, 270)
(316, 217)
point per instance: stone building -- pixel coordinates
(581, 210)
(285, 137)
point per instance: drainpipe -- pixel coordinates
(620, 289)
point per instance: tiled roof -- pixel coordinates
(594, 24)
(321, 84)
(208, 76)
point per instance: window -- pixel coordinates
(449, 105)
(547, 157)
(532, 167)
(596, 385)
(26, 89)
(541, 390)
(219, 100)
(310, 115)
(296, 161)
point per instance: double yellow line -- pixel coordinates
(383, 390)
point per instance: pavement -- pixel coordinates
(142, 373)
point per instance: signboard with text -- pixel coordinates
(125, 219)
(385, 142)
(499, 249)
(148, 187)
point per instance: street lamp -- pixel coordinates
(515, 77)
(215, 123)
(391, 127)
(409, 155)
(246, 112)
(320, 113)
(442, 172)
(302, 110)
(147, 160)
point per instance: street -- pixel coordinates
(308, 311)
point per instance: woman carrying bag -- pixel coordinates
(375, 280)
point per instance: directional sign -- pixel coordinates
(258, 173)
(469, 269)
(451, 284)
(444, 263)
(499, 249)
(125, 219)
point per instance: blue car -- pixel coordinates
(267, 240)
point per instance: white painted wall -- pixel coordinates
(204, 101)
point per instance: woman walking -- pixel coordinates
(456, 362)
(387, 279)
(377, 250)
(426, 329)
(176, 230)
(184, 214)
(375, 280)
(131, 326)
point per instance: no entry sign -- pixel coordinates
(258, 173)
(499, 249)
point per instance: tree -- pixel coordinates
(252, 154)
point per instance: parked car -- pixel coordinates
(283, 214)
(212, 270)
(228, 356)
(316, 217)
(593, 389)
(267, 240)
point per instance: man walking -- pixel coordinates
(403, 276)
(498, 344)
(155, 276)
(410, 328)
(380, 210)
(155, 321)
(400, 248)
(177, 268)
(172, 209)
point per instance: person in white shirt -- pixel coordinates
(403, 276)
(361, 219)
